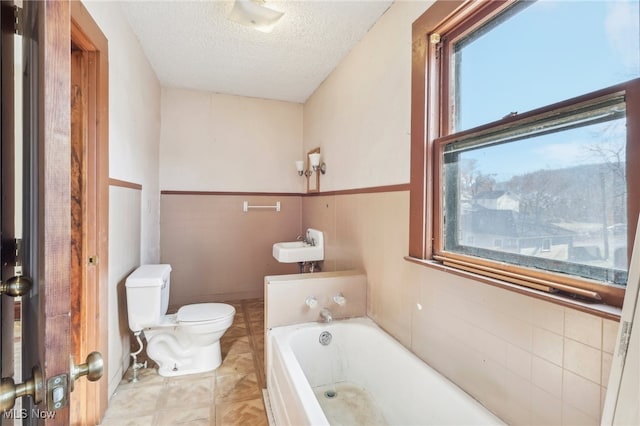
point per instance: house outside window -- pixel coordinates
(532, 140)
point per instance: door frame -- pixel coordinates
(89, 400)
(7, 190)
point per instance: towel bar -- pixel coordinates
(246, 207)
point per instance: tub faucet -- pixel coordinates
(325, 315)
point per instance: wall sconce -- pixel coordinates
(312, 165)
(300, 168)
(314, 162)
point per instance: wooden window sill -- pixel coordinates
(597, 309)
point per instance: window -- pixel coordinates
(530, 143)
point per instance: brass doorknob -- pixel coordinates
(93, 368)
(9, 391)
(16, 286)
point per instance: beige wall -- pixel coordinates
(215, 142)
(285, 296)
(124, 257)
(134, 119)
(134, 131)
(218, 252)
(360, 116)
(531, 362)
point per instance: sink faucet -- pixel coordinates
(306, 240)
(325, 315)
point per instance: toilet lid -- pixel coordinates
(200, 312)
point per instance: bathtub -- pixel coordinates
(363, 376)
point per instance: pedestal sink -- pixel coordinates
(311, 249)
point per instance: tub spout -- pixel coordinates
(325, 315)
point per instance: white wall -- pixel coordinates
(134, 133)
(124, 257)
(134, 119)
(215, 142)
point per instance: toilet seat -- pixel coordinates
(205, 313)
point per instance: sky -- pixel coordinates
(551, 51)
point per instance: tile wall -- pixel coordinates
(530, 361)
(198, 232)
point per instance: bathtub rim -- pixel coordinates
(316, 416)
(304, 392)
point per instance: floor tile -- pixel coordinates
(191, 415)
(255, 314)
(242, 363)
(135, 402)
(131, 421)
(230, 395)
(242, 413)
(199, 392)
(235, 345)
(256, 327)
(237, 329)
(235, 388)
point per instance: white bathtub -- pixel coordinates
(373, 374)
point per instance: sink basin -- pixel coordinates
(297, 251)
(300, 251)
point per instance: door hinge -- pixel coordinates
(18, 20)
(625, 335)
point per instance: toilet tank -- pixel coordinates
(147, 295)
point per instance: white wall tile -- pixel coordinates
(547, 376)
(609, 335)
(607, 358)
(548, 316)
(583, 327)
(514, 331)
(519, 361)
(511, 304)
(546, 409)
(580, 392)
(518, 402)
(603, 397)
(574, 417)
(490, 345)
(583, 360)
(548, 345)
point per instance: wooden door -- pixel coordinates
(47, 237)
(46, 255)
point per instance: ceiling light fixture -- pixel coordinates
(253, 13)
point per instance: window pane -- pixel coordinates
(553, 197)
(540, 53)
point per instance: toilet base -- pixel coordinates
(204, 359)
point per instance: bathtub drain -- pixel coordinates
(325, 338)
(330, 394)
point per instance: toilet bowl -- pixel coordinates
(187, 342)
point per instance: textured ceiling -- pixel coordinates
(193, 44)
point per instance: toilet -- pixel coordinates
(187, 342)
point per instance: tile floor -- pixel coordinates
(230, 395)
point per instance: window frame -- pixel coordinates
(431, 129)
